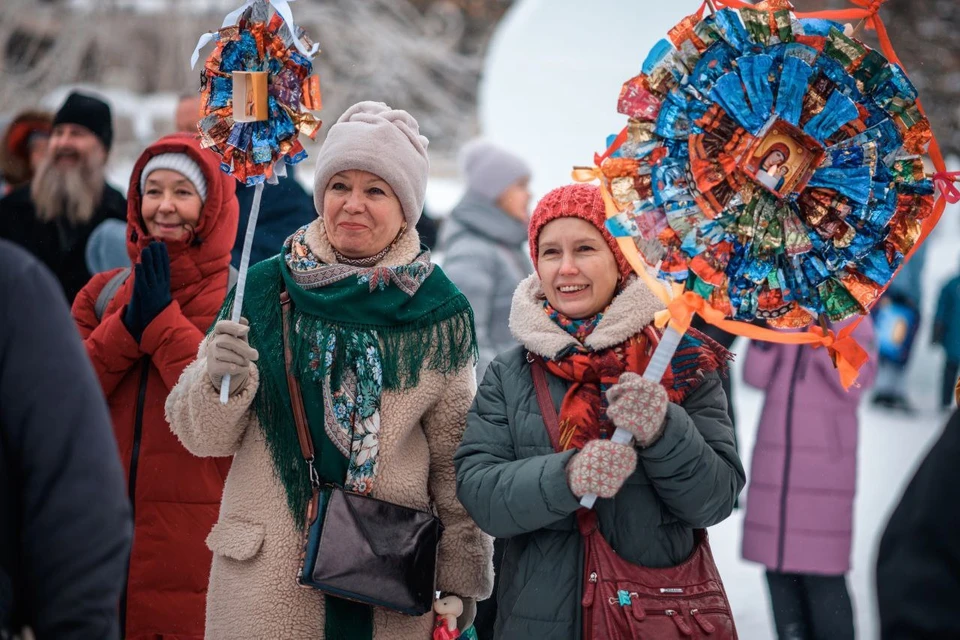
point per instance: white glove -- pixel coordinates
(230, 352)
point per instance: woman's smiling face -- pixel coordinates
(170, 205)
(361, 213)
(577, 269)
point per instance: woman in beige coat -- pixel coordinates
(384, 350)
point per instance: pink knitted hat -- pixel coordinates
(574, 201)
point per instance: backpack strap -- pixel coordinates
(109, 291)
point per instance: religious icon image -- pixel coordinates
(783, 159)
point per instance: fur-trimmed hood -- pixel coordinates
(630, 311)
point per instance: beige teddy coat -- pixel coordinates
(253, 592)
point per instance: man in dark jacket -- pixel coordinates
(918, 565)
(64, 516)
(67, 199)
(284, 208)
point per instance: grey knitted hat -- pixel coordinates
(490, 169)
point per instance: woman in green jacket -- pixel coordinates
(590, 320)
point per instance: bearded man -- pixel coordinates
(67, 199)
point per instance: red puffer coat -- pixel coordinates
(175, 495)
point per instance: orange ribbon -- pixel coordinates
(847, 354)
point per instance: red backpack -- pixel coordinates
(624, 600)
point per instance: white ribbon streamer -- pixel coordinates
(242, 276)
(281, 6)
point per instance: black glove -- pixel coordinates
(151, 289)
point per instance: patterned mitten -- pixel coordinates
(639, 406)
(600, 468)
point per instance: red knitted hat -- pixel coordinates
(574, 201)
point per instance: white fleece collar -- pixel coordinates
(631, 310)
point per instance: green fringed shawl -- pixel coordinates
(432, 330)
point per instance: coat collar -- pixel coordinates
(631, 310)
(404, 252)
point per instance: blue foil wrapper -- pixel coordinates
(757, 269)
(670, 181)
(755, 71)
(850, 156)
(715, 62)
(838, 111)
(240, 55)
(673, 121)
(875, 266)
(691, 244)
(793, 86)
(836, 73)
(300, 156)
(301, 61)
(263, 143)
(881, 210)
(731, 29)
(791, 274)
(920, 188)
(852, 182)
(241, 135)
(863, 243)
(656, 55)
(221, 92)
(893, 84)
(814, 270)
(622, 225)
(283, 127)
(819, 27)
(728, 92)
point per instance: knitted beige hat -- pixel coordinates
(386, 142)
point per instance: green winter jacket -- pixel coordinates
(514, 485)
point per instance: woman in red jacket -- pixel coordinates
(181, 225)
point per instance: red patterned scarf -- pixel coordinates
(583, 414)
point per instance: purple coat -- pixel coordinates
(803, 478)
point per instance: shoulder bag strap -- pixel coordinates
(549, 412)
(296, 395)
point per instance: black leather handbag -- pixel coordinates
(357, 547)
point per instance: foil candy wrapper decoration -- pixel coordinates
(774, 165)
(260, 41)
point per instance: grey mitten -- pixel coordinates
(230, 352)
(638, 406)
